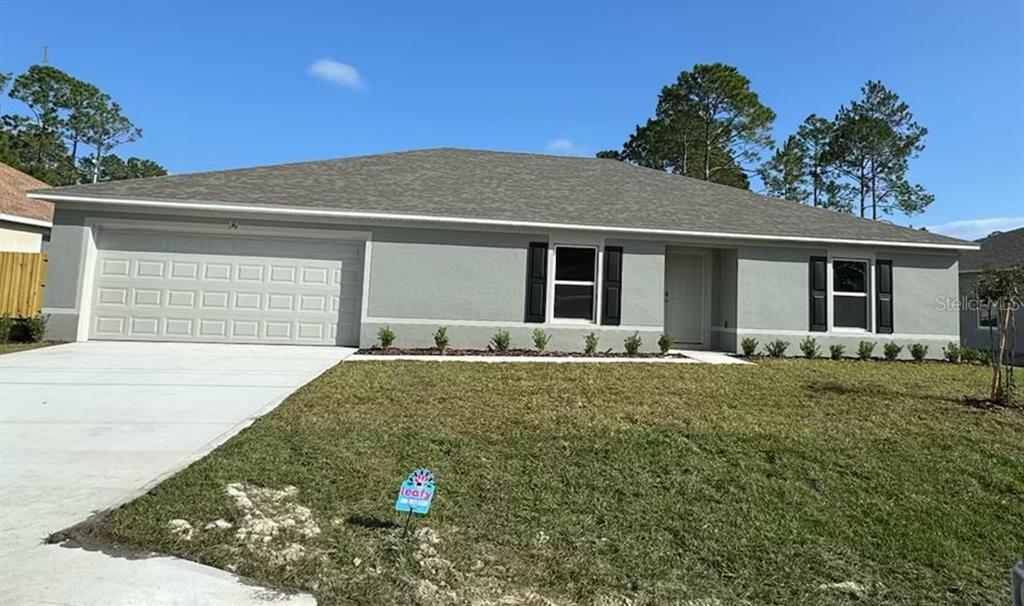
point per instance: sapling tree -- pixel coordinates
(1003, 289)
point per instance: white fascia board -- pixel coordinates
(24, 220)
(349, 214)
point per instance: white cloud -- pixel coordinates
(336, 72)
(972, 229)
(563, 147)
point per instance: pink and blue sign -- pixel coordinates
(417, 492)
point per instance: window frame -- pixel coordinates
(867, 295)
(595, 285)
(993, 313)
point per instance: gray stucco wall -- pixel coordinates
(723, 298)
(921, 286)
(772, 288)
(60, 298)
(977, 337)
(448, 275)
(475, 284)
(472, 281)
(643, 283)
(773, 303)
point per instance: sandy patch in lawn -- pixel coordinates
(273, 524)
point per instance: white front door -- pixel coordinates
(684, 298)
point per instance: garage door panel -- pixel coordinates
(179, 327)
(146, 297)
(150, 268)
(217, 271)
(115, 267)
(181, 298)
(112, 296)
(162, 286)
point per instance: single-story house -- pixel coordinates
(24, 222)
(328, 252)
(979, 324)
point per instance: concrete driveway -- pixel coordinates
(87, 426)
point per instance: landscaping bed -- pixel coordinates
(433, 351)
(788, 482)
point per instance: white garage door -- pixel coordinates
(153, 286)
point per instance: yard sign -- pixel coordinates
(417, 492)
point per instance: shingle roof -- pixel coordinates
(502, 186)
(13, 201)
(1000, 249)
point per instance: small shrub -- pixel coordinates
(36, 328)
(27, 330)
(540, 339)
(891, 350)
(386, 337)
(836, 351)
(664, 343)
(919, 352)
(969, 355)
(952, 352)
(776, 348)
(501, 340)
(865, 350)
(590, 343)
(6, 324)
(441, 338)
(810, 347)
(749, 346)
(633, 343)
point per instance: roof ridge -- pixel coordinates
(401, 152)
(506, 185)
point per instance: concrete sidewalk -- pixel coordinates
(88, 426)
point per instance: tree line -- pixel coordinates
(709, 124)
(70, 131)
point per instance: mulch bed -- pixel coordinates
(433, 351)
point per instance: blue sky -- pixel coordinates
(228, 84)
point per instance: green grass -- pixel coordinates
(6, 348)
(599, 484)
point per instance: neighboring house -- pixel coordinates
(24, 222)
(328, 252)
(979, 324)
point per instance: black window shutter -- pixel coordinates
(536, 281)
(819, 294)
(883, 296)
(611, 299)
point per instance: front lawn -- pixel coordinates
(789, 482)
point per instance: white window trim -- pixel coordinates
(986, 306)
(596, 284)
(869, 263)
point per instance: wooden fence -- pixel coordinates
(22, 278)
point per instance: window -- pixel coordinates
(575, 283)
(987, 315)
(850, 294)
